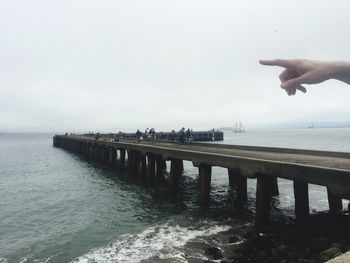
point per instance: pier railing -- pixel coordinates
(201, 136)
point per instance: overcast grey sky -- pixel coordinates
(88, 65)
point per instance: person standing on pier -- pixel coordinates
(182, 135)
(152, 132)
(146, 135)
(189, 136)
(138, 135)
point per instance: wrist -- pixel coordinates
(339, 71)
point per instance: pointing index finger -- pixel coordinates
(276, 62)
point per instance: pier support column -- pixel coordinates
(100, 153)
(175, 173)
(137, 162)
(104, 154)
(144, 164)
(130, 158)
(263, 199)
(81, 146)
(151, 165)
(161, 166)
(334, 201)
(238, 182)
(182, 166)
(92, 152)
(107, 153)
(301, 196)
(122, 158)
(232, 176)
(112, 157)
(204, 182)
(275, 190)
(96, 152)
(87, 149)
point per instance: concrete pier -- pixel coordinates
(148, 160)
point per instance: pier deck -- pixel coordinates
(330, 169)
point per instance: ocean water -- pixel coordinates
(59, 207)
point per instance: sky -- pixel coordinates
(110, 65)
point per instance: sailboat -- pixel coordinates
(238, 127)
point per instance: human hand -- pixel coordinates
(298, 72)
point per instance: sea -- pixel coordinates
(56, 206)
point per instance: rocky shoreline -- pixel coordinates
(321, 238)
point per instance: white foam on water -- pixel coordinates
(162, 242)
(3, 260)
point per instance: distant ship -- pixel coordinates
(311, 126)
(238, 127)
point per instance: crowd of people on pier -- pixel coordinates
(149, 134)
(183, 136)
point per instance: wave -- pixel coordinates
(157, 243)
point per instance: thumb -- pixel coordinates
(293, 83)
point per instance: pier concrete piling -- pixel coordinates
(264, 189)
(334, 201)
(301, 197)
(204, 182)
(275, 190)
(122, 158)
(175, 173)
(160, 166)
(239, 183)
(151, 165)
(144, 165)
(232, 176)
(112, 157)
(242, 189)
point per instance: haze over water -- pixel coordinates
(59, 207)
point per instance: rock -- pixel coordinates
(214, 252)
(234, 239)
(343, 248)
(262, 254)
(282, 248)
(330, 253)
(229, 250)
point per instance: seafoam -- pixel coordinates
(159, 242)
